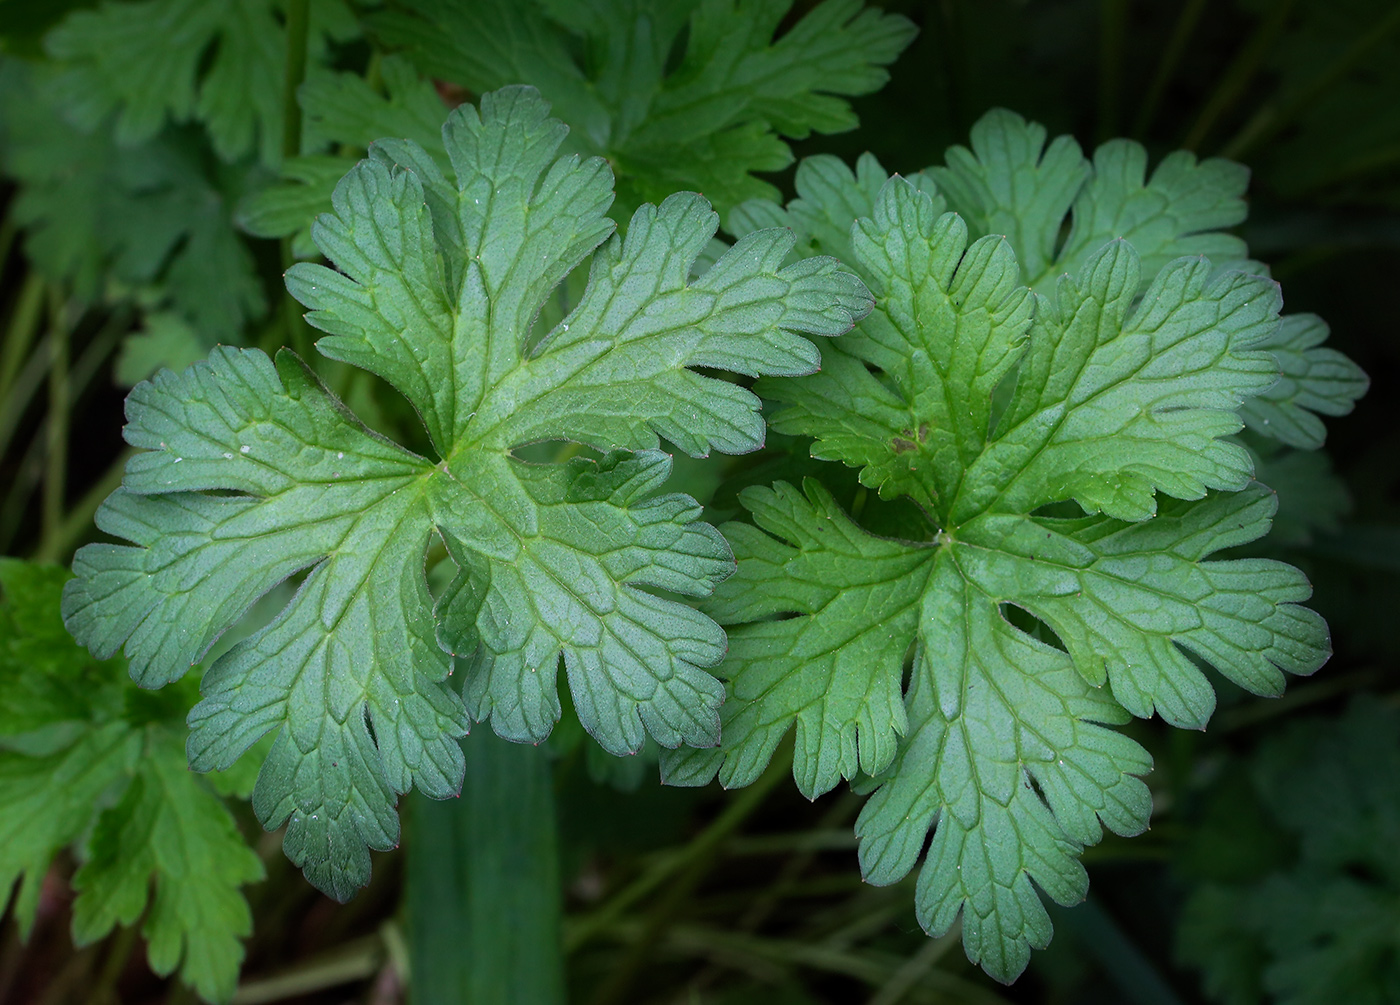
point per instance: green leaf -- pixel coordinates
(1011, 183)
(88, 760)
(251, 472)
(706, 122)
(835, 670)
(1031, 634)
(342, 109)
(145, 223)
(146, 62)
(1315, 381)
(172, 842)
(1318, 928)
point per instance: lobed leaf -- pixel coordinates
(992, 407)
(88, 760)
(251, 472)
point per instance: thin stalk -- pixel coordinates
(119, 949)
(26, 386)
(1113, 27)
(483, 911)
(1122, 961)
(21, 331)
(740, 949)
(298, 24)
(25, 481)
(1240, 73)
(8, 232)
(915, 969)
(78, 519)
(354, 961)
(618, 987)
(56, 456)
(1181, 34)
(1271, 118)
(711, 837)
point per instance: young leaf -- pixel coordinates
(252, 471)
(88, 760)
(1122, 401)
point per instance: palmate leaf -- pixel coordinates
(251, 471)
(1118, 395)
(89, 761)
(706, 123)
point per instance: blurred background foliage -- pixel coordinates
(128, 242)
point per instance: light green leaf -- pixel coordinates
(836, 669)
(1011, 183)
(251, 472)
(1316, 381)
(1031, 634)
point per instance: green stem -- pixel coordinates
(298, 24)
(119, 948)
(78, 519)
(1240, 73)
(724, 825)
(20, 332)
(1181, 34)
(353, 961)
(56, 457)
(1113, 26)
(26, 385)
(618, 986)
(1272, 117)
(1121, 960)
(483, 907)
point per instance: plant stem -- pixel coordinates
(119, 947)
(298, 24)
(617, 988)
(1239, 73)
(55, 546)
(1182, 31)
(725, 824)
(483, 904)
(20, 332)
(913, 970)
(353, 961)
(1113, 26)
(56, 456)
(1271, 118)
